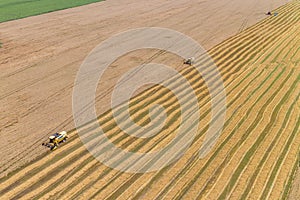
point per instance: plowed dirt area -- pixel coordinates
(256, 155)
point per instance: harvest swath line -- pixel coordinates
(214, 176)
(229, 104)
(250, 153)
(237, 56)
(268, 151)
(235, 41)
(267, 57)
(196, 177)
(279, 162)
(263, 151)
(191, 164)
(287, 45)
(291, 177)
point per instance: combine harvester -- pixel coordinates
(56, 139)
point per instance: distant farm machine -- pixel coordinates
(189, 61)
(56, 139)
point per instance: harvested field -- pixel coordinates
(40, 57)
(255, 157)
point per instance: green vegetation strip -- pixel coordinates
(295, 54)
(16, 9)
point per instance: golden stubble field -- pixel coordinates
(255, 157)
(40, 57)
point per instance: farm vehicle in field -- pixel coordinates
(56, 139)
(189, 61)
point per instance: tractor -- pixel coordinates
(56, 139)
